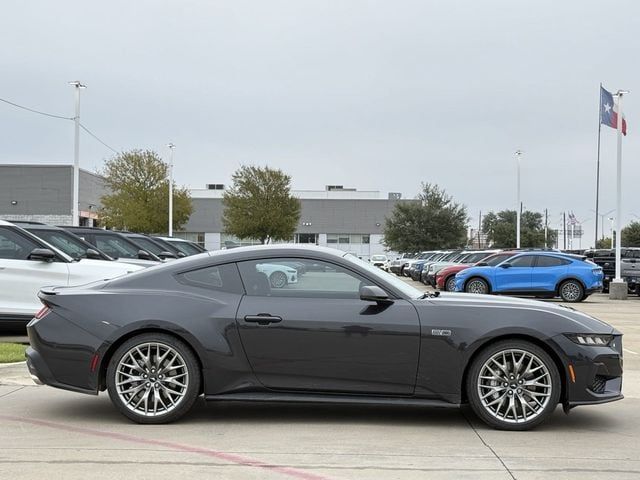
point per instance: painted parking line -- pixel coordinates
(630, 351)
(229, 457)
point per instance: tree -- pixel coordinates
(139, 197)
(501, 229)
(259, 205)
(434, 221)
(604, 243)
(631, 235)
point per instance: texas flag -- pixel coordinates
(609, 111)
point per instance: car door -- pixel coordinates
(514, 275)
(547, 271)
(318, 335)
(21, 278)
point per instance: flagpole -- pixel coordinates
(595, 239)
(618, 288)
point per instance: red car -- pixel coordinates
(445, 278)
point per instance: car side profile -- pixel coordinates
(543, 274)
(345, 332)
(446, 278)
(27, 263)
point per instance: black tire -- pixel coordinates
(520, 393)
(450, 284)
(278, 279)
(477, 285)
(187, 369)
(571, 291)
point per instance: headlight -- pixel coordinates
(590, 339)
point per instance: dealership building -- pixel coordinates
(338, 217)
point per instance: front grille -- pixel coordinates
(598, 384)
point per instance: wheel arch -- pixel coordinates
(520, 336)
(108, 354)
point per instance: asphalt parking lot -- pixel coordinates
(57, 434)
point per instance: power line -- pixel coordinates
(98, 139)
(35, 111)
(60, 117)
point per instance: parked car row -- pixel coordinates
(629, 265)
(34, 255)
(538, 273)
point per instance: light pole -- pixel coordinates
(518, 154)
(618, 279)
(171, 147)
(75, 197)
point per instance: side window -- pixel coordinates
(14, 246)
(545, 261)
(525, 261)
(223, 278)
(299, 277)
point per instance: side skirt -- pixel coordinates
(333, 399)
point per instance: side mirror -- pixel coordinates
(144, 255)
(93, 254)
(41, 254)
(164, 255)
(373, 293)
(181, 254)
(505, 265)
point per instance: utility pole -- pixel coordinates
(75, 197)
(518, 211)
(171, 147)
(546, 226)
(564, 228)
(479, 228)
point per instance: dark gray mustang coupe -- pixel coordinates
(296, 324)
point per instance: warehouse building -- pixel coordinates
(343, 218)
(42, 193)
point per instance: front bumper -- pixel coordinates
(597, 372)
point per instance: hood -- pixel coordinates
(107, 266)
(581, 322)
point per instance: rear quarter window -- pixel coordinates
(221, 278)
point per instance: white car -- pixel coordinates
(380, 261)
(279, 275)
(28, 263)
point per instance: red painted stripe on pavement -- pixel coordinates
(229, 457)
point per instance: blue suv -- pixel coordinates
(540, 274)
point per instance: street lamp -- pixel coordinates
(75, 197)
(518, 154)
(171, 146)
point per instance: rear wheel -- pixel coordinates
(513, 385)
(477, 285)
(571, 291)
(450, 284)
(278, 279)
(153, 378)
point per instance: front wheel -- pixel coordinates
(571, 291)
(450, 284)
(477, 285)
(153, 378)
(513, 385)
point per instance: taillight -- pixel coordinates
(42, 312)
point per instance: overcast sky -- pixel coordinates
(377, 95)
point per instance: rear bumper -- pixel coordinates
(42, 375)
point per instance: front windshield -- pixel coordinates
(148, 245)
(63, 241)
(116, 247)
(405, 288)
(496, 259)
(475, 257)
(185, 247)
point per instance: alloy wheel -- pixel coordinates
(571, 292)
(151, 379)
(278, 279)
(450, 286)
(514, 386)
(477, 286)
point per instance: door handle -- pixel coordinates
(262, 319)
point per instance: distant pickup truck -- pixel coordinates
(629, 269)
